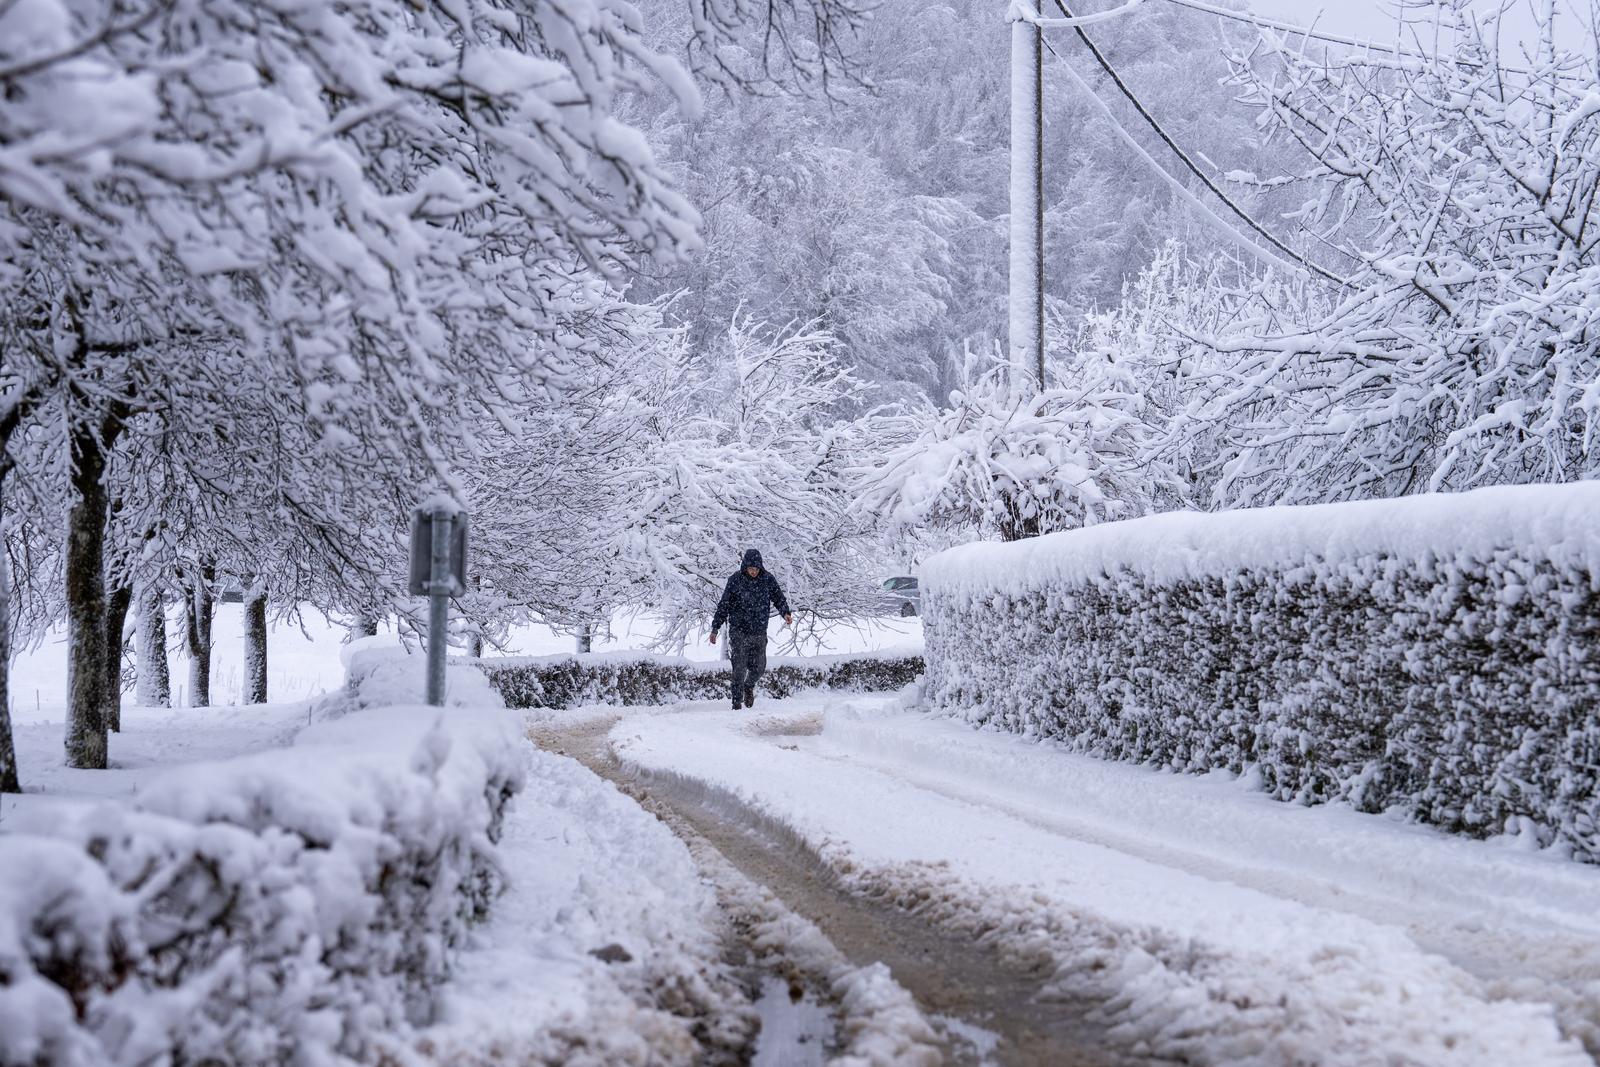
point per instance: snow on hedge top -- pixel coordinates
(1558, 523)
(629, 657)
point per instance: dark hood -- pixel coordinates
(752, 558)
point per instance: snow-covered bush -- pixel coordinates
(641, 678)
(1439, 654)
(299, 906)
(1009, 459)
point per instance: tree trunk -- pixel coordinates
(475, 636)
(86, 605)
(22, 404)
(255, 648)
(1014, 526)
(118, 602)
(197, 633)
(9, 782)
(155, 679)
(586, 639)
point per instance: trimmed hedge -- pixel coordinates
(288, 907)
(640, 678)
(301, 905)
(1446, 665)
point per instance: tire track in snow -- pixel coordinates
(1301, 986)
(951, 973)
(1516, 959)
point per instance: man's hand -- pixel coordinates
(788, 620)
(713, 637)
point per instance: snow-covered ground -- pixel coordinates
(604, 949)
(1207, 922)
(1213, 923)
(152, 742)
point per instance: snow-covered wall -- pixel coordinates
(298, 906)
(1438, 654)
(641, 678)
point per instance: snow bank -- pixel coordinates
(632, 678)
(1438, 654)
(300, 905)
(606, 949)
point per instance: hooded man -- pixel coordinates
(746, 606)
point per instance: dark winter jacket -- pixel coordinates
(744, 604)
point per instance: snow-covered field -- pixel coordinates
(1214, 924)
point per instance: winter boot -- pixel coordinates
(736, 704)
(749, 698)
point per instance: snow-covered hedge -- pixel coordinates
(1435, 654)
(299, 906)
(641, 678)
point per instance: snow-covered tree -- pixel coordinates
(814, 232)
(890, 206)
(9, 780)
(752, 454)
(643, 493)
(1160, 341)
(1463, 193)
(369, 224)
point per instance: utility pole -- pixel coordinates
(1027, 193)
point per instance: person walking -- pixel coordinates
(746, 606)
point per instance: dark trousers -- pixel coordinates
(748, 653)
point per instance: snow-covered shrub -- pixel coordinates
(1009, 459)
(1438, 654)
(640, 678)
(298, 906)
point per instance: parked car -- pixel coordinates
(901, 596)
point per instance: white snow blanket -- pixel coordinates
(1438, 654)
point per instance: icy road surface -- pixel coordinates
(1201, 921)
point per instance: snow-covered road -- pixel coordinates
(1206, 922)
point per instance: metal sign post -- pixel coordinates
(438, 572)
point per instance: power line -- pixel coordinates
(1189, 163)
(1262, 21)
(1228, 231)
(1253, 19)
